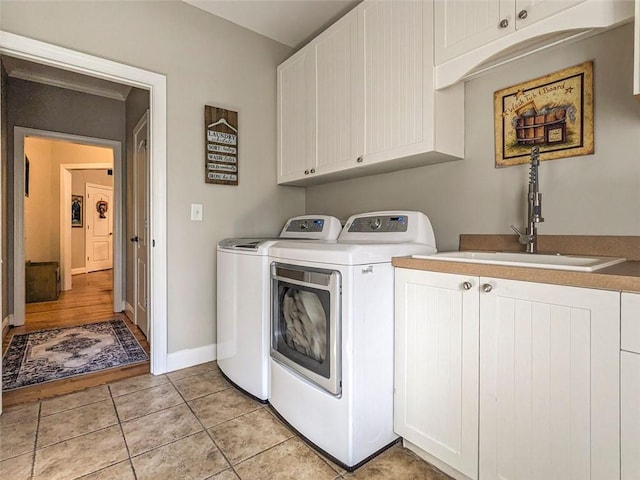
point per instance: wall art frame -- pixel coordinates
(553, 112)
(77, 211)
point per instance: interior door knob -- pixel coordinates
(135, 239)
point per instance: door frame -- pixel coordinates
(66, 59)
(19, 136)
(66, 271)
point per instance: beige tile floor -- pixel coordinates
(188, 424)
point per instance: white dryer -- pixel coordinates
(332, 333)
(243, 300)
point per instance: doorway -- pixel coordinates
(74, 61)
(68, 147)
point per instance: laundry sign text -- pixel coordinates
(221, 146)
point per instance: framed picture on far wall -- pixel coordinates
(76, 211)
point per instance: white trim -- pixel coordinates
(66, 271)
(40, 52)
(128, 310)
(190, 357)
(78, 271)
(70, 84)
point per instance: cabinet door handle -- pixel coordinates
(522, 14)
(467, 285)
(504, 23)
(306, 172)
(360, 160)
(313, 170)
(486, 288)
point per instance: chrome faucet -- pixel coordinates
(534, 210)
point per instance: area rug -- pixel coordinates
(48, 355)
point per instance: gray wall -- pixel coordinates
(137, 103)
(207, 60)
(590, 195)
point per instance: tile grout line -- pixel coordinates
(207, 432)
(35, 443)
(138, 390)
(124, 439)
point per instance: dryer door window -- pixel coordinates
(305, 323)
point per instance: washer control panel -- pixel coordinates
(305, 225)
(380, 223)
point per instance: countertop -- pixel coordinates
(621, 277)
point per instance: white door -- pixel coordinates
(141, 222)
(99, 228)
(436, 365)
(549, 382)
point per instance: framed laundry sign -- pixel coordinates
(221, 146)
(554, 113)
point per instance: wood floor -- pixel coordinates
(89, 300)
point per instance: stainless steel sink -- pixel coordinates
(556, 262)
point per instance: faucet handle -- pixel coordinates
(523, 238)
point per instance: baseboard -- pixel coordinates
(190, 357)
(6, 321)
(128, 311)
(78, 271)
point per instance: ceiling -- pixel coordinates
(291, 22)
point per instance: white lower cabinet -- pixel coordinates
(436, 366)
(549, 382)
(630, 387)
(630, 415)
(538, 364)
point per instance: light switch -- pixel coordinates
(196, 212)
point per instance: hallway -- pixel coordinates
(90, 300)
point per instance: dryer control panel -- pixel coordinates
(387, 223)
(390, 226)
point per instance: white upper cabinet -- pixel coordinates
(296, 116)
(636, 52)
(374, 98)
(473, 35)
(338, 105)
(463, 25)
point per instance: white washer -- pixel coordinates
(335, 384)
(243, 301)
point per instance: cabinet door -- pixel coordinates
(337, 103)
(530, 11)
(630, 415)
(296, 116)
(436, 366)
(549, 382)
(463, 25)
(394, 54)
